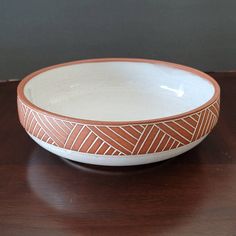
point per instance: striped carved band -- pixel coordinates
(129, 139)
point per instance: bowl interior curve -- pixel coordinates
(118, 91)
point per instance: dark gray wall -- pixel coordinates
(38, 33)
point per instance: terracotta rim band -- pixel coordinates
(215, 97)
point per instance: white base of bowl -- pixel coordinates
(115, 160)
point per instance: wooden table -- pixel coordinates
(194, 194)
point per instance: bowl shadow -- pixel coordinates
(144, 199)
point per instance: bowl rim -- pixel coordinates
(21, 96)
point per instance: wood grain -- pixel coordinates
(194, 194)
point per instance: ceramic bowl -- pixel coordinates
(118, 112)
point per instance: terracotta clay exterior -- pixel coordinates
(119, 138)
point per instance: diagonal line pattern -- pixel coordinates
(119, 139)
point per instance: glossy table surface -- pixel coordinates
(193, 194)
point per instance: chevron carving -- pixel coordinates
(130, 139)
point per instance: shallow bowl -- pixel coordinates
(118, 112)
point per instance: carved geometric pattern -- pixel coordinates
(124, 139)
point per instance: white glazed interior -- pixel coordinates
(118, 91)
